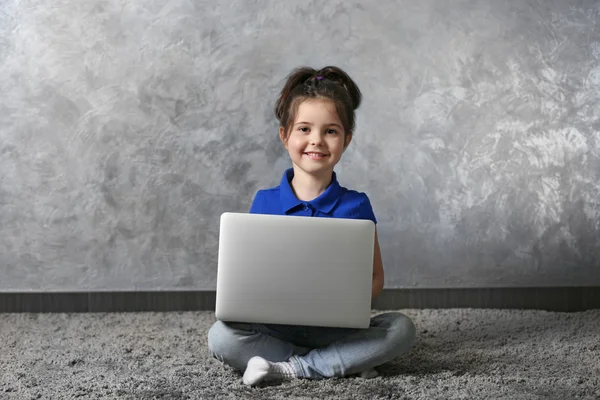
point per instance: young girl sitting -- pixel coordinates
(316, 116)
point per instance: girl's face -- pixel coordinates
(317, 139)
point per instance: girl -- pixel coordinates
(316, 116)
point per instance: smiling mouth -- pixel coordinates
(315, 155)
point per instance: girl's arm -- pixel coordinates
(377, 269)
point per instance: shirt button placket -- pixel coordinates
(307, 209)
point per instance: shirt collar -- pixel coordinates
(324, 203)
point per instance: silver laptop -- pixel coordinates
(295, 270)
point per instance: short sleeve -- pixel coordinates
(257, 203)
(365, 210)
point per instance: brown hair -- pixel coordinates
(329, 83)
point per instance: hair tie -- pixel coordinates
(319, 77)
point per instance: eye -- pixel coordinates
(331, 131)
(303, 129)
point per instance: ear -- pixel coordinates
(282, 137)
(347, 140)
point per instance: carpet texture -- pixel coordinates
(460, 354)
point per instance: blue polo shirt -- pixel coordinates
(335, 202)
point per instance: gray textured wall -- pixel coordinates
(126, 128)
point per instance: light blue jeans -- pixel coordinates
(315, 352)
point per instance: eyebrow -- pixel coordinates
(308, 123)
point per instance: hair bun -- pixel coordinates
(335, 74)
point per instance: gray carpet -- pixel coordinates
(460, 354)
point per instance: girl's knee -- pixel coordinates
(226, 343)
(222, 339)
(402, 333)
(216, 336)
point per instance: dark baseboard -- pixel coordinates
(564, 299)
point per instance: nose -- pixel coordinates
(316, 138)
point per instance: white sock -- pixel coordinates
(369, 374)
(259, 369)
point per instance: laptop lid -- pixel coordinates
(295, 270)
